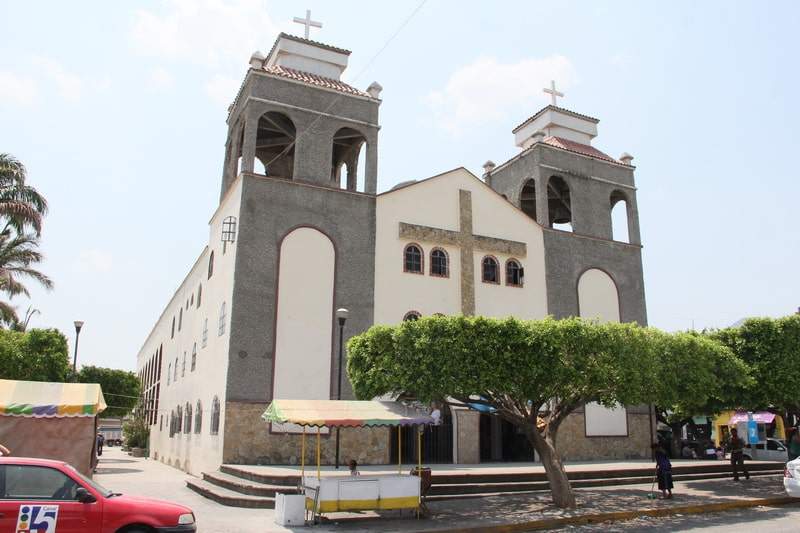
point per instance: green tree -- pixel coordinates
(21, 206)
(690, 385)
(531, 373)
(35, 355)
(18, 256)
(771, 348)
(120, 388)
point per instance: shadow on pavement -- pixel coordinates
(112, 470)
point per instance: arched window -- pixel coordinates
(178, 419)
(412, 259)
(169, 372)
(183, 366)
(171, 424)
(515, 274)
(191, 302)
(222, 320)
(194, 356)
(187, 419)
(211, 265)
(205, 333)
(619, 217)
(559, 204)
(180, 318)
(172, 335)
(199, 295)
(215, 416)
(175, 376)
(198, 417)
(348, 146)
(527, 199)
(490, 270)
(439, 263)
(412, 315)
(275, 144)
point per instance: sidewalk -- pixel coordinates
(120, 472)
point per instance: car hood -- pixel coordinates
(794, 463)
(152, 505)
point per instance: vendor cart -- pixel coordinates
(336, 493)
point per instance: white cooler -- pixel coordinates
(290, 509)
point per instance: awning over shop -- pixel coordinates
(42, 399)
(333, 413)
(761, 417)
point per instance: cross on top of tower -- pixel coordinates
(307, 22)
(551, 91)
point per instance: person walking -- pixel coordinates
(663, 471)
(100, 441)
(794, 445)
(736, 447)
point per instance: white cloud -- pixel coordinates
(94, 261)
(17, 90)
(160, 79)
(487, 90)
(70, 85)
(222, 89)
(212, 33)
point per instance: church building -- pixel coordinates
(301, 231)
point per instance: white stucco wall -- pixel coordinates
(435, 203)
(304, 326)
(196, 452)
(598, 299)
(597, 296)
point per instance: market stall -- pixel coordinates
(339, 492)
(51, 420)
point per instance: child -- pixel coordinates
(663, 472)
(354, 468)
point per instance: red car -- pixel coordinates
(42, 496)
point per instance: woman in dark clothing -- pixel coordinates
(663, 471)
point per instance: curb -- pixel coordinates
(552, 523)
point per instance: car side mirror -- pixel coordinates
(84, 496)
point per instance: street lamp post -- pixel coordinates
(78, 326)
(341, 315)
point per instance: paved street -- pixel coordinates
(123, 473)
(761, 519)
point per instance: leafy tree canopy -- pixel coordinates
(535, 373)
(120, 388)
(771, 347)
(35, 355)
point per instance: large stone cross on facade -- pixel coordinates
(468, 242)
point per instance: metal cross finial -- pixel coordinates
(553, 93)
(307, 22)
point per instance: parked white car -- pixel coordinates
(771, 450)
(791, 478)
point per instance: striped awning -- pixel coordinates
(43, 399)
(333, 413)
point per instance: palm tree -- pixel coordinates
(22, 325)
(20, 204)
(18, 255)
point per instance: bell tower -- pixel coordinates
(295, 119)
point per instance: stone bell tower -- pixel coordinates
(570, 188)
(302, 154)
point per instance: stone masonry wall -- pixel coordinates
(574, 445)
(249, 441)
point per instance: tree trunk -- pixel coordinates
(560, 488)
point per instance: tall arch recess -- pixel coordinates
(347, 147)
(527, 199)
(275, 144)
(559, 204)
(598, 297)
(302, 362)
(619, 217)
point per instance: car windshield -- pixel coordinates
(94, 484)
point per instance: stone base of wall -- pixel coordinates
(573, 444)
(248, 441)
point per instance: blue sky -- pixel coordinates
(118, 110)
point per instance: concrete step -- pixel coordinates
(245, 486)
(287, 480)
(229, 497)
(453, 492)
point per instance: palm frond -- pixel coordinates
(8, 313)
